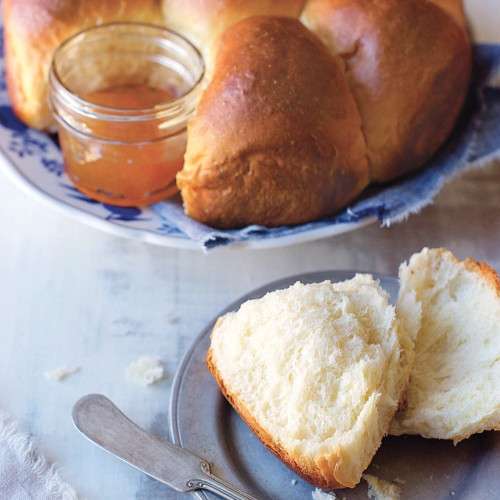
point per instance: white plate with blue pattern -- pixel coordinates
(33, 161)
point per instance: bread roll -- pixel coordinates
(203, 21)
(276, 138)
(317, 372)
(408, 65)
(454, 390)
(33, 29)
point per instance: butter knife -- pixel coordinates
(98, 419)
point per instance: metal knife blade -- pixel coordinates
(98, 419)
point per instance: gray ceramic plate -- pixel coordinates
(202, 421)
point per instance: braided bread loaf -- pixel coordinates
(288, 129)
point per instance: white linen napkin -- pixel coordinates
(24, 472)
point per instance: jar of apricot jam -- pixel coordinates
(122, 95)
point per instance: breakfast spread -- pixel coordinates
(121, 172)
(288, 129)
(317, 371)
(254, 116)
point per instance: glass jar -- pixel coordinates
(124, 155)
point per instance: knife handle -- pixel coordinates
(104, 424)
(218, 486)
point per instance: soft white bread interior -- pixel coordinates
(317, 372)
(454, 390)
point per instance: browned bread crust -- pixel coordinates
(33, 29)
(483, 270)
(276, 138)
(488, 274)
(408, 64)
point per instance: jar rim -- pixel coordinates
(162, 110)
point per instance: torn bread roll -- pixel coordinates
(317, 372)
(454, 390)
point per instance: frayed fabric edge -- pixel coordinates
(21, 445)
(416, 207)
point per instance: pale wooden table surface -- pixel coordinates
(70, 294)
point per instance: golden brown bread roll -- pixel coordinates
(408, 65)
(33, 29)
(276, 138)
(203, 21)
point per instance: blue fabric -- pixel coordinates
(475, 139)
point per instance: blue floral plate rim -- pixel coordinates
(175, 240)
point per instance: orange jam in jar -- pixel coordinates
(122, 95)
(132, 96)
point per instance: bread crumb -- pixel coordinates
(294, 481)
(318, 494)
(59, 374)
(380, 489)
(146, 370)
(399, 481)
